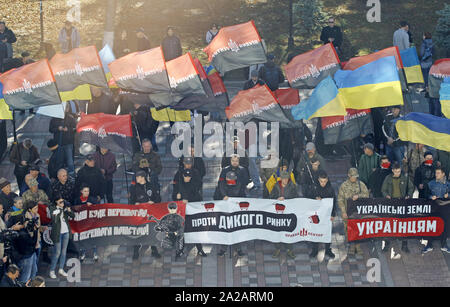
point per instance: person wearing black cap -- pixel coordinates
(271, 74)
(171, 45)
(395, 148)
(142, 192)
(178, 179)
(43, 181)
(424, 174)
(6, 195)
(368, 163)
(69, 37)
(197, 164)
(56, 161)
(236, 186)
(23, 155)
(91, 176)
(143, 43)
(172, 225)
(254, 80)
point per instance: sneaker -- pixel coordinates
(445, 249)
(290, 254)
(330, 254)
(276, 254)
(427, 249)
(386, 246)
(95, 257)
(313, 253)
(221, 253)
(52, 275)
(62, 273)
(82, 257)
(202, 253)
(179, 255)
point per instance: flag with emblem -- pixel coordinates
(236, 47)
(256, 103)
(108, 131)
(337, 129)
(143, 72)
(288, 98)
(32, 85)
(5, 112)
(307, 70)
(438, 72)
(78, 67)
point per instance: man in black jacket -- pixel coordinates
(91, 175)
(242, 180)
(377, 178)
(8, 38)
(178, 179)
(143, 43)
(323, 190)
(6, 195)
(10, 279)
(424, 174)
(229, 186)
(64, 134)
(171, 46)
(332, 34)
(271, 74)
(144, 192)
(198, 164)
(254, 80)
(309, 178)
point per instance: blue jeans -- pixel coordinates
(28, 268)
(59, 251)
(395, 153)
(68, 159)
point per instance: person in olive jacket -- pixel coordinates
(60, 234)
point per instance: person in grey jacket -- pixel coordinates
(401, 37)
(69, 37)
(426, 56)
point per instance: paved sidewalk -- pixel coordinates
(116, 267)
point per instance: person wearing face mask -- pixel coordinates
(397, 186)
(377, 178)
(424, 174)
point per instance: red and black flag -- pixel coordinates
(307, 70)
(78, 67)
(135, 98)
(108, 131)
(236, 47)
(289, 98)
(256, 103)
(337, 129)
(438, 72)
(30, 86)
(143, 72)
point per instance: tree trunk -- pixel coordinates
(108, 37)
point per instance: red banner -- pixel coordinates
(287, 97)
(360, 229)
(254, 100)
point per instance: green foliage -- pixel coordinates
(442, 32)
(309, 19)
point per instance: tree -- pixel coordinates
(442, 32)
(310, 18)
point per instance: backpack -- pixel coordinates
(271, 76)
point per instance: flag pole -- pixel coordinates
(14, 127)
(126, 175)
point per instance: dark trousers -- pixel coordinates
(109, 191)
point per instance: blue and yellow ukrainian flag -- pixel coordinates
(376, 84)
(324, 101)
(107, 56)
(411, 65)
(425, 129)
(5, 113)
(444, 94)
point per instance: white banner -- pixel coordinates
(244, 219)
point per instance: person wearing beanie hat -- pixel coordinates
(271, 74)
(254, 81)
(368, 163)
(354, 189)
(56, 161)
(171, 45)
(424, 174)
(305, 161)
(195, 181)
(6, 195)
(34, 193)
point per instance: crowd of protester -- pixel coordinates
(383, 166)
